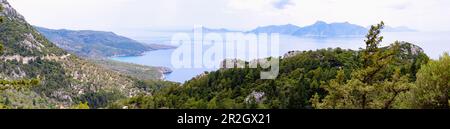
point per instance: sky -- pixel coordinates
(116, 15)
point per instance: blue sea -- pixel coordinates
(433, 43)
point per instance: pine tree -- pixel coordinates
(433, 85)
(369, 87)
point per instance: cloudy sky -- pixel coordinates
(425, 15)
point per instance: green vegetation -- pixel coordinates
(99, 99)
(1, 49)
(371, 86)
(35, 73)
(81, 106)
(18, 85)
(372, 78)
(433, 85)
(21, 39)
(94, 44)
(134, 70)
(156, 96)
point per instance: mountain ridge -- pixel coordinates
(65, 79)
(95, 46)
(91, 43)
(319, 29)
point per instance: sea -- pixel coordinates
(433, 43)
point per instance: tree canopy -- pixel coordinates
(372, 78)
(433, 85)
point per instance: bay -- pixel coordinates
(433, 43)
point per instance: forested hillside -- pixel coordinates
(35, 73)
(397, 76)
(94, 44)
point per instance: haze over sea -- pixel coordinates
(433, 43)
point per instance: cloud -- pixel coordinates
(251, 5)
(260, 5)
(401, 5)
(282, 4)
(234, 14)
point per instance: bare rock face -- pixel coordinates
(20, 38)
(31, 44)
(257, 97)
(292, 53)
(165, 70)
(411, 49)
(232, 63)
(9, 12)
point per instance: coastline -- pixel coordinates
(163, 71)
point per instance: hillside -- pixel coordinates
(319, 29)
(93, 45)
(212, 30)
(288, 29)
(65, 79)
(322, 29)
(140, 72)
(334, 78)
(89, 43)
(302, 75)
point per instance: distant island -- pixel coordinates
(211, 30)
(320, 29)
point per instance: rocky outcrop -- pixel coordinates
(232, 63)
(256, 97)
(9, 12)
(291, 54)
(410, 49)
(31, 43)
(165, 70)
